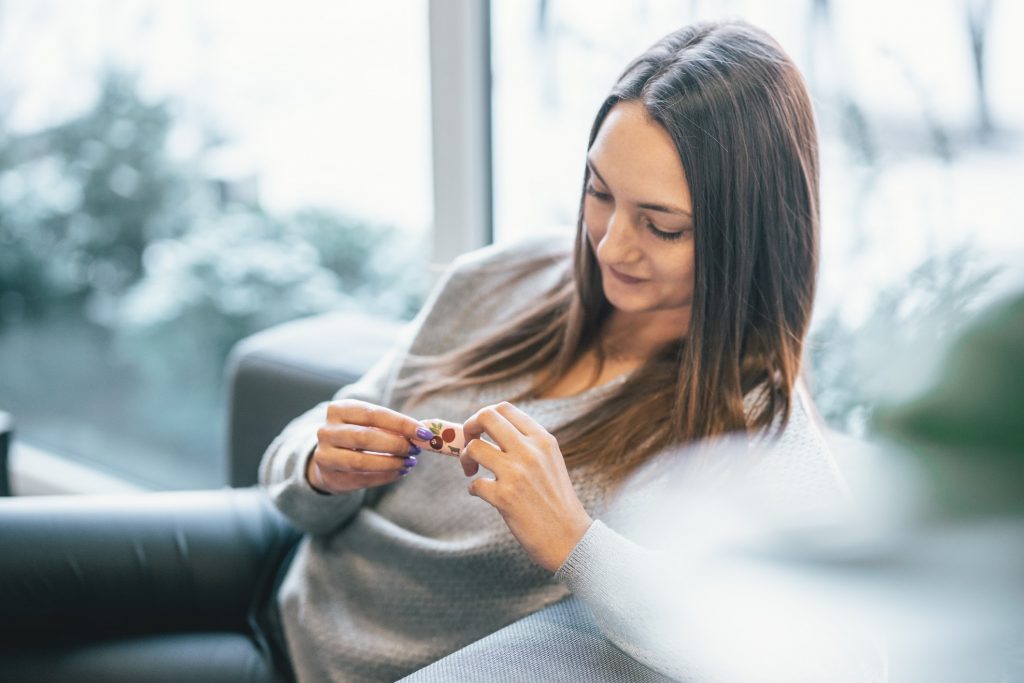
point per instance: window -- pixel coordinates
(175, 176)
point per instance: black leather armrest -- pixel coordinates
(277, 374)
(6, 437)
(94, 566)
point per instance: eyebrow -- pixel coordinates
(643, 205)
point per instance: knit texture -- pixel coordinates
(393, 578)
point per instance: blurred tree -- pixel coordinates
(343, 244)
(80, 200)
(128, 272)
(202, 292)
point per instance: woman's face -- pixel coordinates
(638, 214)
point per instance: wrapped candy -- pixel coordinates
(448, 438)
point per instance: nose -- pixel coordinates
(618, 244)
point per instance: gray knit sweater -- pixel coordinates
(390, 579)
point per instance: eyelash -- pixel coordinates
(667, 236)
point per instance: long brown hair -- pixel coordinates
(738, 111)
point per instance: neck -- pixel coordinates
(636, 336)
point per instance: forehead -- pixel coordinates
(637, 156)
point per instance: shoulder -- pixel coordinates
(484, 287)
(535, 250)
(507, 277)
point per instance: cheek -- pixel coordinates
(677, 268)
(686, 275)
(594, 219)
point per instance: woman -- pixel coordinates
(676, 313)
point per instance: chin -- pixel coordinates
(624, 303)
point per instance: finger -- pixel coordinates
(363, 438)
(353, 411)
(346, 460)
(479, 452)
(520, 420)
(469, 465)
(487, 489)
(496, 425)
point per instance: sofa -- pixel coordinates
(167, 586)
(6, 435)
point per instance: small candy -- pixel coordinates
(447, 439)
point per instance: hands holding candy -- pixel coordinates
(363, 445)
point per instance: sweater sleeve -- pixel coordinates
(282, 471)
(612, 575)
(671, 581)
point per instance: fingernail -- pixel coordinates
(424, 433)
(415, 450)
(403, 473)
(410, 461)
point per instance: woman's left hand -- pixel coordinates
(531, 488)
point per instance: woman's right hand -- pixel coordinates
(362, 445)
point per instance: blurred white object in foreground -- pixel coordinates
(754, 581)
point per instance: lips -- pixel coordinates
(625, 278)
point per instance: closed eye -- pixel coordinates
(661, 234)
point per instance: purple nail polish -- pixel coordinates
(415, 450)
(424, 433)
(403, 473)
(410, 461)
